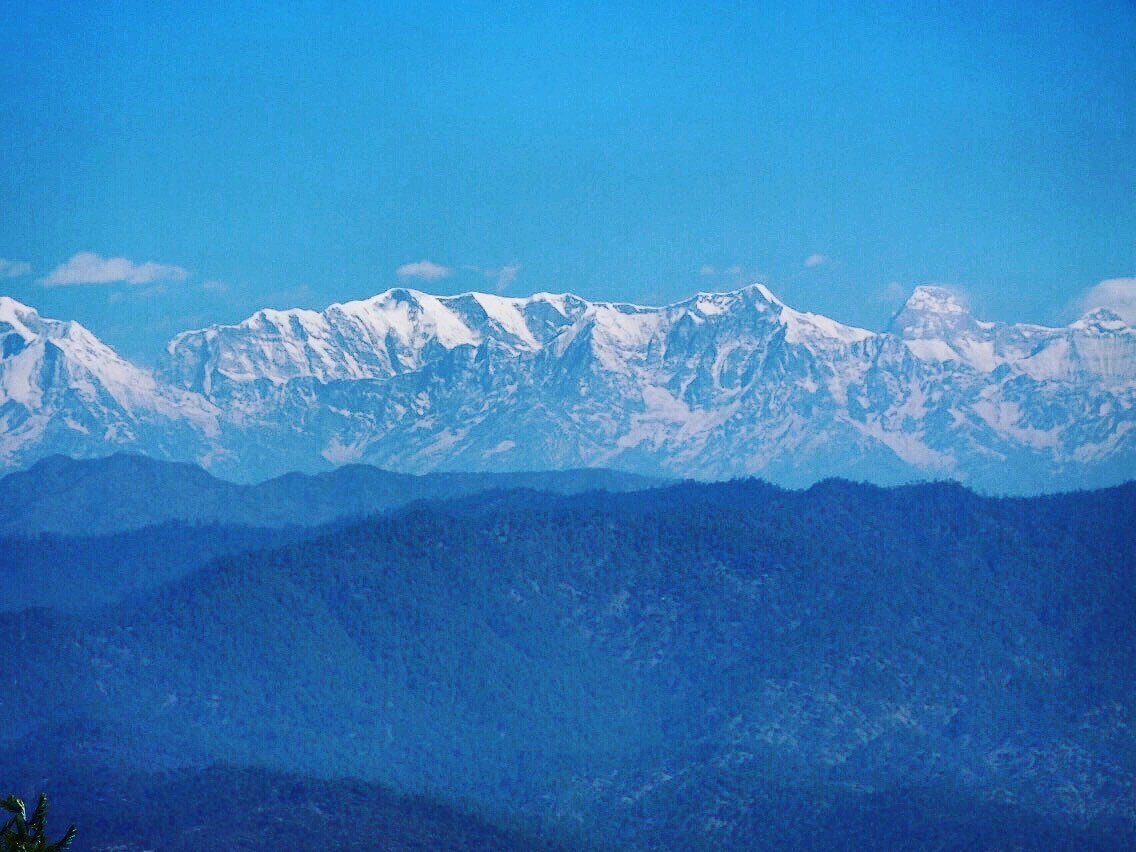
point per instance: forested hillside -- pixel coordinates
(727, 665)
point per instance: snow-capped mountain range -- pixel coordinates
(719, 385)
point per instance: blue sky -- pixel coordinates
(840, 153)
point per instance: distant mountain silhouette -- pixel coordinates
(77, 573)
(127, 491)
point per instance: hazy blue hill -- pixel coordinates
(77, 573)
(119, 492)
(126, 491)
(705, 665)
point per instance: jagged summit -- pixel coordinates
(715, 385)
(935, 298)
(931, 312)
(1103, 319)
(64, 390)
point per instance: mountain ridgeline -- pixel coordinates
(725, 665)
(717, 386)
(126, 491)
(77, 534)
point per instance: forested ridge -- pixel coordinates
(701, 665)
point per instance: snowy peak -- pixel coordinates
(766, 294)
(468, 319)
(1102, 321)
(64, 390)
(17, 316)
(755, 299)
(401, 330)
(715, 385)
(800, 327)
(931, 312)
(936, 326)
(16, 326)
(394, 332)
(413, 318)
(22, 328)
(932, 299)
(25, 322)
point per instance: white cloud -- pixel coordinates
(214, 285)
(1118, 294)
(893, 293)
(732, 271)
(814, 260)
(89, 268)
(505, 276)
(14, 268)
(427, 270)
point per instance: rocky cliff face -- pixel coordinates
(719, 385)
